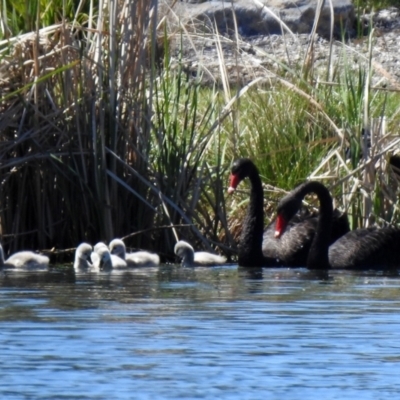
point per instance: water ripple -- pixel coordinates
(211, 333)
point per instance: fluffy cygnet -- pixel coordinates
(136, 259)
(24, 260)
(95, 254)
(190, 258)
(99, 245)
(82, 260)
(103, 260)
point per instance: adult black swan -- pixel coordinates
(259, 248)
(361, 249)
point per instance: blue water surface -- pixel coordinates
(205, 333)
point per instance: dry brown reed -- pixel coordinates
(86, 150)
(72, 98)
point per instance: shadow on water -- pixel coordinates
(21, 278)
(257, 273)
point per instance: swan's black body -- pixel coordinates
(293, 247)
(259, 248)
(370, 248)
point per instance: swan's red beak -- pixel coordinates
(234, 181)
(280, 226)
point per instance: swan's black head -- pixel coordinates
(241, 169)
(286, 210)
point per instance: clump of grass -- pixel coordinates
(70, 131)
(97, 143)
(299, 128)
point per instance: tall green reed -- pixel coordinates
(93, 105)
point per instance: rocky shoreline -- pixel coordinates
(250, 57)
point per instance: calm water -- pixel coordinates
(218, 333)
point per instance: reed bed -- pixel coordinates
(104, 133)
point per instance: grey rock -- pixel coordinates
(265, 17)
(386, 19)
(262, 56)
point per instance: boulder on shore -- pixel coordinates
(266, 17)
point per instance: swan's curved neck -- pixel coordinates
(250, 245)
(122, 253)
(318, 254)
(188, 258)
(82, 262)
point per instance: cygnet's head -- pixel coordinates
(99, 245)
(185, 251)
(82, 256)
(83, 251)
(117, 247)
(105, 262)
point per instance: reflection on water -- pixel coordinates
(207, 333)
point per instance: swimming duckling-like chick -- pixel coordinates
(105, 261)
(24, 260)
(82, 260)
(190, 258)
(136, 259)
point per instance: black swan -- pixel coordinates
(361, 249)
(136, 259)
(190, 258)
(24, 260)
(259, 248)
